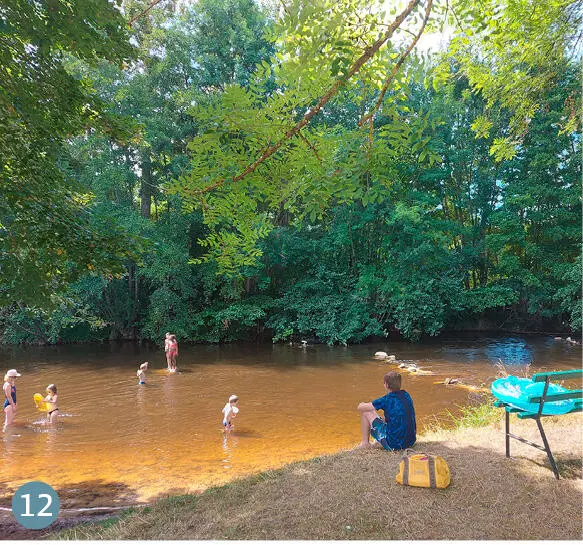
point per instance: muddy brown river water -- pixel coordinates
(119, 443)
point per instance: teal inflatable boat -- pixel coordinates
(516, 391)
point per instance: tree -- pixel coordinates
(183, 58)
(48, 234)
(261, 151)
(236, 179)
(512, 53)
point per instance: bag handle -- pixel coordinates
(410, 451)
(431, 467)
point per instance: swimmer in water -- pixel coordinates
(10, 395)
(142, 373)
(230, 411)
(52, 397)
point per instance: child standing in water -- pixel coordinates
(172, 353)
(230, 411)
(52, 398)
(10, 395)
(142, 373)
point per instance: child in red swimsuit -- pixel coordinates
(172, 352)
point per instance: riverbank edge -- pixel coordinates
(341, 496)
(392, 337)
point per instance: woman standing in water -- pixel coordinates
(10, 395)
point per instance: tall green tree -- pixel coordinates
(48, 234)
(512, 52)
(184, 57)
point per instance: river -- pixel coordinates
(119, 443)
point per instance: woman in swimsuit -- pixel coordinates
(10, 395)
(52, 398)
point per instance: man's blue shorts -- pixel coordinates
(378, 429)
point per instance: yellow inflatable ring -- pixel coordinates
(41, 404)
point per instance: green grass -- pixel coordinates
(475, 416)
(479, 415)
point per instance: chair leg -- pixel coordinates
(547, 448)
(507, 434)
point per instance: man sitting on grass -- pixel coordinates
(398, 429)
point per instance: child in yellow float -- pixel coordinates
(52, 398)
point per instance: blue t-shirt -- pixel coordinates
(400, 418)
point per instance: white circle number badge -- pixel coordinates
(35, 505)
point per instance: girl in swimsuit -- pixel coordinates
(52, 398)
(172, 353)
(10, 395)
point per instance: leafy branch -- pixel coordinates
(369, 116)
(332, 91)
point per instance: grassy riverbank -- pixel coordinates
(353, 494)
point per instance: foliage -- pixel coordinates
(218, 197)
(512, 53)
(475, 416)
(256, 155)
(48, 232)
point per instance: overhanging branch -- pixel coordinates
(336, 86)
(398, 65)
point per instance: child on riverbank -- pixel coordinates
(230, 411)
(52, 398)
(142, 373)
(398, 430)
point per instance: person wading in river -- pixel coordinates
(52, 398)
(172, 353)
(398, 430)
(166, 347)
(10, 395)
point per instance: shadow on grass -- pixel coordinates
(569, 468)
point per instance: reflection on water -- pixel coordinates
(117, 441)
(511, 352)
(229, 444)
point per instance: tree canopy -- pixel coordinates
(48, 234)
(225, 169)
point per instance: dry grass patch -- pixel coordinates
(353, 495)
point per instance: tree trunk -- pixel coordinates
(146, 187)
